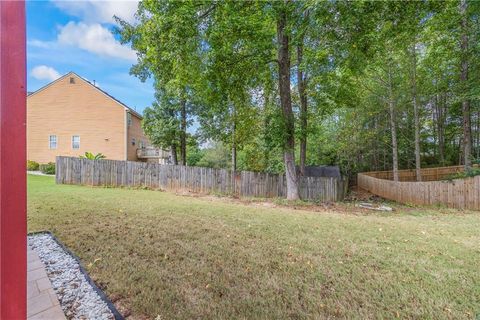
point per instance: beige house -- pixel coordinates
(70, 116)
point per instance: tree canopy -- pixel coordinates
(366, 85)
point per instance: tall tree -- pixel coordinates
(467, 135)
(302, 78)
(302, 84)
(284, 82)
(414, 17)
(393, 120)
(162, 124)
(246, 31)
(234, 58)
(416, 116)
(166, 38)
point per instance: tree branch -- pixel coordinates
(208, 11)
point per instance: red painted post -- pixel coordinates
(13, 222)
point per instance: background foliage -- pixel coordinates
(359, 59)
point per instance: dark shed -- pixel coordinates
(322, 171)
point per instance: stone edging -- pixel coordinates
(100, 293)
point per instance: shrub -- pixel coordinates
(48, 168)
(91, 156)
(32, 165)
(466, 174)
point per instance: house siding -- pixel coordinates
(64, 109)
(135, 131)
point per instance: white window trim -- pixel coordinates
(73, 147)
(50, 142)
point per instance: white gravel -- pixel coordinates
(39, 173)
(77, 297)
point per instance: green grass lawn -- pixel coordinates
(159, 254)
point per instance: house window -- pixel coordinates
(52, 141)
(133, 141)
(75, 142)
(140, 144)
(72, 80)
(129, 119)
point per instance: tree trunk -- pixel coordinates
(375, 145)
(416, 116)
(441, 136)
(173, 151)
(477, 145)
(183, 131)
(302, 81)
(234, 148)
(286, 104)
(440, 110)
(393, 124)
(467, 139)
(266, 126)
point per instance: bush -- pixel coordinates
(32, 165)
(466, 174)
(91, 156)
(48, 168)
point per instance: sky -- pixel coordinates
(65, 36)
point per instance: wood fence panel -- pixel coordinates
(427, 174)
(71, 170)
(457, 193)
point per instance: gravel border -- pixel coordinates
(79, 297)
(39, 173)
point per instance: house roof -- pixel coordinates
(127, 108)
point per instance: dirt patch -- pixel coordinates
(346, 207)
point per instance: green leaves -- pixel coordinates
(220, 57)
(91, 156)
(161, 122)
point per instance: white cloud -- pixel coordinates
(45, 73)
(94, 38)
(99, 11)
(39, 43)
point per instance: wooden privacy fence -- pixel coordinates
(427, 174)
(457, 193)
(192, 179)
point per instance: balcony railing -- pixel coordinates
(150, 152)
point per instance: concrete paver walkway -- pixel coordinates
(42, 302)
